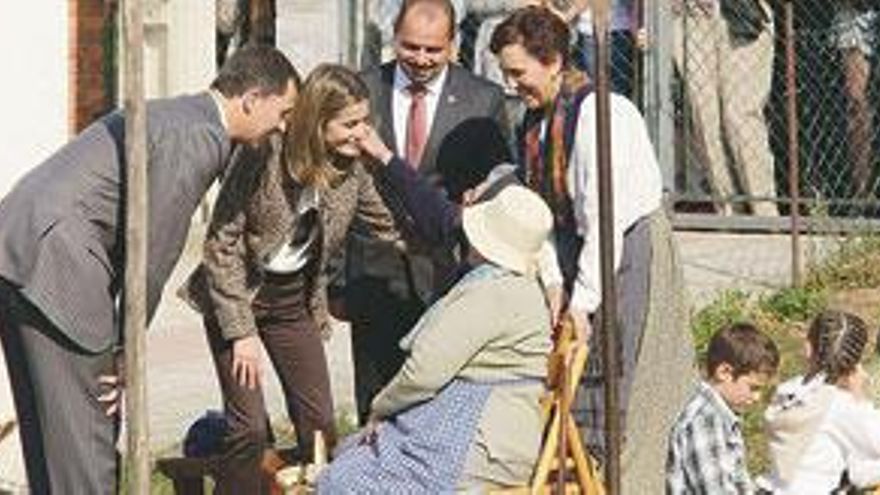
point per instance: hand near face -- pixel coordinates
(373, 146)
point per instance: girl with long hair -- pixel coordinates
(283, 212)
(823, 424)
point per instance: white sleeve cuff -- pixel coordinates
(584, 299)
(548, 265)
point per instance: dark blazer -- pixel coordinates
(62, 226)
(468, 138)
(255, 214)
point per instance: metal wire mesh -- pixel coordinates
(729, 91)
(730, 107)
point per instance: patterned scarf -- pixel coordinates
(546, 160)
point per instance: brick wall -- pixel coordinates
(89, 95)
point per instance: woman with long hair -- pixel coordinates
(282, 213)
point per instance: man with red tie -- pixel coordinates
(450, 126)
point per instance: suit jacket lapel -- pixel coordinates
(384, 111)
(447, 107)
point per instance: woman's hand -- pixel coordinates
(555, 296)
(581, 321)
(373, 146)
(246, 368)
(370, 431)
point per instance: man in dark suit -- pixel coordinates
(62, 258)
(450, 126)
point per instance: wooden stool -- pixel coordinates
(562, 450)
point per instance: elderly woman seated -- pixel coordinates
(463, 413)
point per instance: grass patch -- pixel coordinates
(855, 265)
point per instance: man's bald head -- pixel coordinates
(429, 10)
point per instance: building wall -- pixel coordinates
(36, 108)
(90, 25)
(310, 31)
(179, 46)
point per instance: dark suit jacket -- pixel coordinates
(62, 226)
(468, 138)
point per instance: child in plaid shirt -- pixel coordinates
(706, 447)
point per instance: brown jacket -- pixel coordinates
(254, 215)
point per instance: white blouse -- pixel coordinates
(637, 188)
(294, 254)
(846, 438)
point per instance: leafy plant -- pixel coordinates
(794, 304)
(730, 307)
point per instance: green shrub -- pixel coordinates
(855, 265)
(730, 307)
(794, 304)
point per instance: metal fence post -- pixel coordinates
(659, 107)
(135, 301)
(610, 356)
(793, 148)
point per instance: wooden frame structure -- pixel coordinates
(562, 450)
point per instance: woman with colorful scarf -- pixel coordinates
(557, 144)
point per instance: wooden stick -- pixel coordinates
(135, 300)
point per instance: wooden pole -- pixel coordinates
(793, 145)
(134, 297)
(610, 354)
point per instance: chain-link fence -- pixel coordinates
(727, 87)
(714, 79)
(733, 143)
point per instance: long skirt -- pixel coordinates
(656, 356)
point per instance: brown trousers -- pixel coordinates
(294, 345)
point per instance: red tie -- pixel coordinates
(416, 125)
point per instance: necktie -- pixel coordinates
(416, 125)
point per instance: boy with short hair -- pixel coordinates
(706, 447)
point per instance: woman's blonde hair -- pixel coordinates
(328, 90)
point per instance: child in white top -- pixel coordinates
(823, 424)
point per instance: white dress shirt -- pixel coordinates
(400, 102)
(637, 182)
